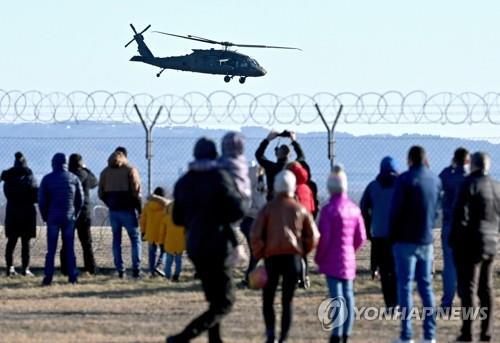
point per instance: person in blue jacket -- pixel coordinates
(375, 206)
(60, 199)
(452, 178)
(412, 217)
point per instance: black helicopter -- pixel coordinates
(209, 61)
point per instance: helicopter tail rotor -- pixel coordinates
(142, 47)
(137, 35)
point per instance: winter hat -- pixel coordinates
(388, 165)
(337, 182)
(233, 144)
(75, 162)
(160, 191)
(121, 149)
(19, 159)
(284, 182)
(205, 149)
(59, 160)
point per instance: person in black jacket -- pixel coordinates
(83, 222)
(20, 188)
(206, 203)
(473, 238)
(282, 154)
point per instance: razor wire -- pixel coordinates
(222, 107)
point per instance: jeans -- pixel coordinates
(154, 261)
(287, 266)
(217, 284)
(414, 262)
(68, 237)
(382, 256)
(25, 251)
(127, 219)
(82, 227)
(449, 274)
(168, 265)
(343, 288)
(476, 277)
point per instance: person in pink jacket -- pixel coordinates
(342, 234)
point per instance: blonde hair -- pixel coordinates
(337, 181)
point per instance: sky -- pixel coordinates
(355, 46)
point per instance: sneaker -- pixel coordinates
(11, 271)
(46, 282)
(175, 278)
(159, 271)
(399, 340)
(485, 338)
(27, 272)
(464, 338)
(121, 274)
(136, 274)
(427, 341)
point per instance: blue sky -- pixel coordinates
(348, 45)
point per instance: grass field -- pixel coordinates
(106, 309)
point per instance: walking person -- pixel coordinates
(83, 222)
(151, 222)
(206, 203)
(375, 206)
(342, 234)
(282, 153)
(283, 233)
(413, 213)
(473, 238)
(20, 189)
(120, 190)
(452, 178)
(60, 199)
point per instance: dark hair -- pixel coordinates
(18, 155)
(205, 149)
(75, 162)
(416, 155)
(121, 149)
(160, 191)
(460, 156)
(481, 160)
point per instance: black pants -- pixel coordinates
(25, 251)
(476, 278)
(384, 259)
(82, 227)
(217, 284)
(245, 227)
(287, 266)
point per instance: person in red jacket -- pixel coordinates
(303, 192)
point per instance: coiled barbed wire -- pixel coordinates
(392, 107)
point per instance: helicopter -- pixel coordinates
(208, 61)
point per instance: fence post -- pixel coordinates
(149, 141)
(330, 133)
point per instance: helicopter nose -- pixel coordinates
(262, 71)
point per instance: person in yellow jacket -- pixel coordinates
(174, 243)
(151, 223)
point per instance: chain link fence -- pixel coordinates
(93, 125)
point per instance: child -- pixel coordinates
(235, 163)
(151, 222)
(173, 239)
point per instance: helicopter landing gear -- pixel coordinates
(161, 71)
(227, 78)
(242, 79)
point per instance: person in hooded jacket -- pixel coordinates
(20, 189)
(60, 199)
(120, 190)
(303, 192)
(151, 220)
(206, 203)
(375, 206)
(83, 222)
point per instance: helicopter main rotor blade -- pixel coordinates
(188, 37)
(265, 46)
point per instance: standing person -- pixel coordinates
(173, 239)
(258, 201)
(206, 203)
(282, 155)
(20, 189)
(282, 234)
(375, 206)
(83, 222)
(451, 179)
(473, 238)
(342, 234)
(152, 217)
(303, 192)
(120, 190)
(60, 199)
(413, 213)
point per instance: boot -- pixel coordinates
(335, 339)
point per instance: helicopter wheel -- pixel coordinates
(242, 79)
(227, 78)
(158, 75)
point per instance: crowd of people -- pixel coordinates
(275, 205)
